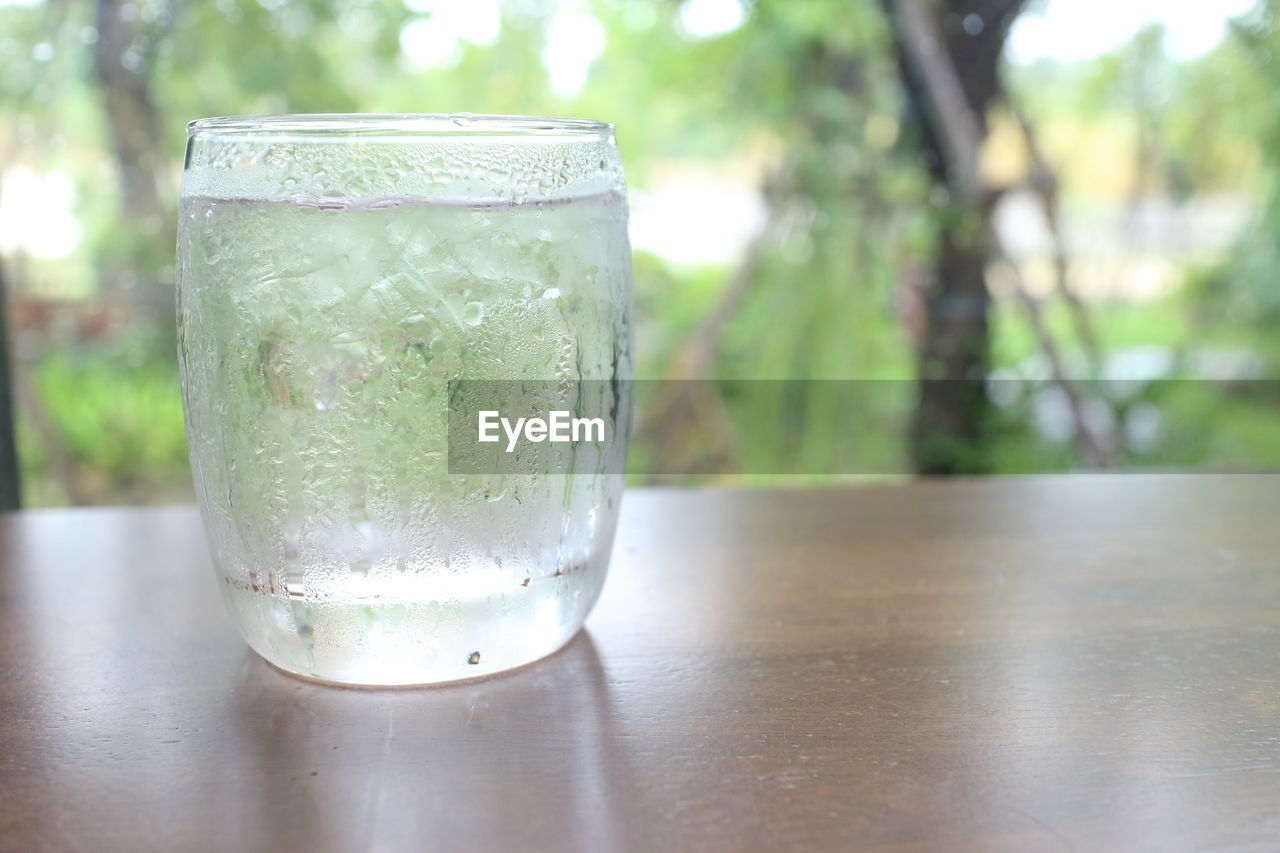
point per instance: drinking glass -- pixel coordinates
(335, 274)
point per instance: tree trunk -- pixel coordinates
(122, 57)
(10, 483)
(949, 428)
(949, 53)
(119, 63)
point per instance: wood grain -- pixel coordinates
(1076, 663)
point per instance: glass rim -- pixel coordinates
(398, 124)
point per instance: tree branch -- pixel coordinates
(1096, 451)
(955, 124)
(1044, 183)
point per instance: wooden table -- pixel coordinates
(1076, 663)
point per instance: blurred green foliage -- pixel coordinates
(125, 435)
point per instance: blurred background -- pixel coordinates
(1018, 202)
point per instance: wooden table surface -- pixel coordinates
(1076, 663)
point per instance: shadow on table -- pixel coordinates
(526, 759)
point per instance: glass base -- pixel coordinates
(380, 644)
(476, 674)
